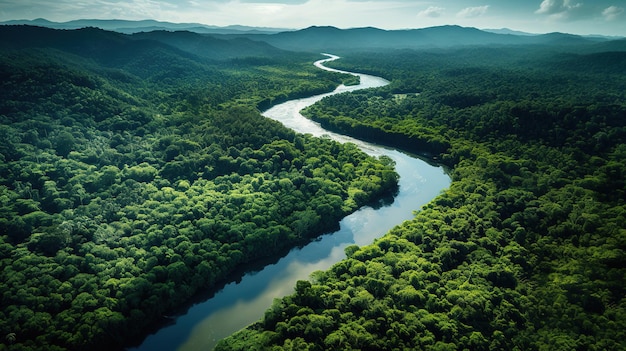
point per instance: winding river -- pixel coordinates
(243, 302)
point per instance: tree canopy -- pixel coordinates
(525, 251)
(135, 177)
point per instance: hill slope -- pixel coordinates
(102, 45)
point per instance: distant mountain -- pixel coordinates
(220, 43)
(516, 32)
(318, 39)
(332, 38)
(129, 27)
(508, 31)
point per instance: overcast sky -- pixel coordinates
(606, 17)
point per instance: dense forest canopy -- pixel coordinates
(136, 171)
(525, 251)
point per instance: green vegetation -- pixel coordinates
(525, 251)
(134, 175)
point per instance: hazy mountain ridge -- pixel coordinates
(331, 38)
(327, 38)
(130, 27)
(507, 31)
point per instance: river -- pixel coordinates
(243, 302)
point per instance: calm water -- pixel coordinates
(241, 303)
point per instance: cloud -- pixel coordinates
(138, 9)
(473, 11)
(290, 14)
(612, 12)
(560, 9)
(285, 2)
(549, 7)
(432, 12)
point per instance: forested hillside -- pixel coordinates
(525, 251)
(134, 174)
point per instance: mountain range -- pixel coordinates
(237, 41)
(130, 27)
(342, 40)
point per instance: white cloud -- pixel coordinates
(136, 9)
(560, 9)
(612, 12)
(549, 7)
(290, 14)
(269, 8)
(286, 2)
(432, 12)
(473, 11)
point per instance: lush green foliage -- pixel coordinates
(526, 251)
(130, 182)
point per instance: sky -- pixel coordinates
(605, 17)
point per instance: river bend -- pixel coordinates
(243, 302)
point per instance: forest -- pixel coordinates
(137, 172)
(525, 251)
